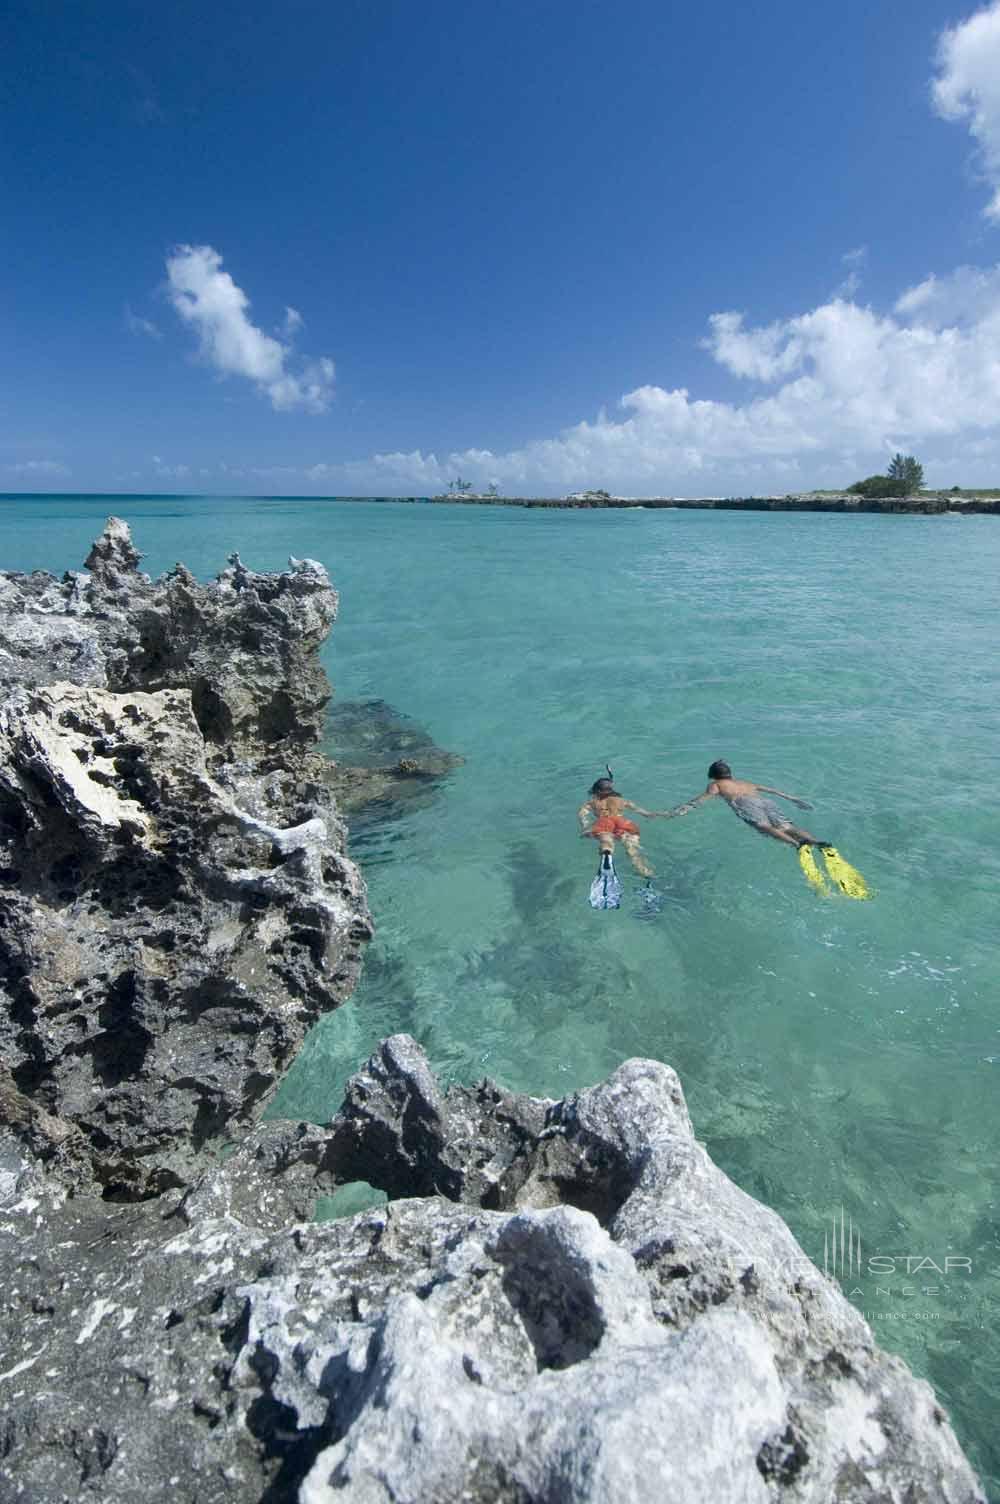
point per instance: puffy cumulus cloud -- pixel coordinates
(311, 389)
(762, 353)
(966, 297)
(967, 88)
(831, 393)
(207, 299)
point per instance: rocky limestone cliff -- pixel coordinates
(176, 904)
(245, 646)
(563, 1301)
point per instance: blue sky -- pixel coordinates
(362, 246)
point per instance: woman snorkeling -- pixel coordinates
(605, 808)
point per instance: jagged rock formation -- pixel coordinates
(244, 646)
(176, 905)
(671, 1340)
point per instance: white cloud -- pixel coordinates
(292, 322)
(39, 467)
(834, 390)
(136, 325)
(967, 297)
(832, 393)
(209, 301)
(764, 354)
(968, 88)
(855, 262)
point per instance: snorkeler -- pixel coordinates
(610, 823)
(746, 800)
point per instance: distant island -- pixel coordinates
(964, 503)
(900, 489)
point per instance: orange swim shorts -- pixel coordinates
(613, 825)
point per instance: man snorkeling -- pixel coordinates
(747, 800)
(606, 807)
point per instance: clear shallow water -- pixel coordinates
(834, 1054)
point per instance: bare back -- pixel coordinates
(733, 788)
(610, 807)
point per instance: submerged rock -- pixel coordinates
(669, 1341)
(385, 764)
(176, 904)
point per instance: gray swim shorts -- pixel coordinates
(756, 810)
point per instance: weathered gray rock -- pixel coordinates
(399, 1131)
(677, 1346)
(245, 646)
(176, 904)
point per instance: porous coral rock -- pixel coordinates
(678, 1345)
(176, 902)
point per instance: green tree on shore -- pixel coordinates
(905, 478)
(871, 486)
(907, 473)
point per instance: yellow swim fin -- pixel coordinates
(847, 878)
(814, 876)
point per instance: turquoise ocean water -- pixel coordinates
(836, 1056)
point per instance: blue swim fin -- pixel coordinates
(650, 901)
(606, 890)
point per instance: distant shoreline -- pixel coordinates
(936, 505)
(916, 505)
